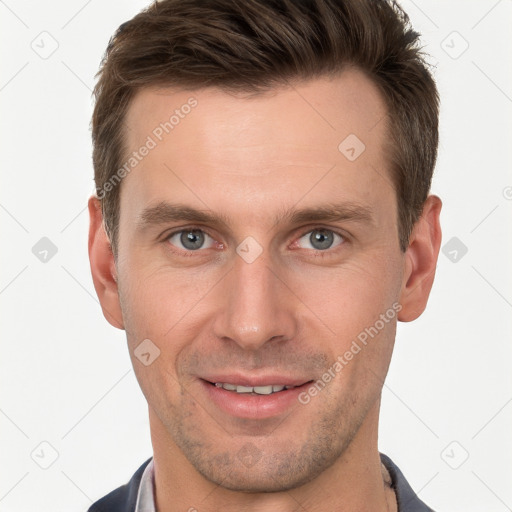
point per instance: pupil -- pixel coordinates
(192, 239)
(321, 239)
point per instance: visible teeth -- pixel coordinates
(260, 390)
(263, 390)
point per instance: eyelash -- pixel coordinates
(316, 252)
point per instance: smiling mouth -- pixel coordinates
(253, 397)
(269, 389)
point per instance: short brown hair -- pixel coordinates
(254, 45)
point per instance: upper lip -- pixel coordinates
(253, 380)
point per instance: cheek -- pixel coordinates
(152, 308)
(350, 301)
(168, 307)
(352, 297)
(157, 299)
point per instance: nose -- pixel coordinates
(255, 306)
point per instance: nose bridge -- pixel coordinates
(255, 306)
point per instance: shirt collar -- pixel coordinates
(146, 494)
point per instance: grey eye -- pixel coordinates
(190, 239)
(320, 239)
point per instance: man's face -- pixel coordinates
(259, 297)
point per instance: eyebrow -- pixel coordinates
(164, 213)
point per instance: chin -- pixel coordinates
(262, 480)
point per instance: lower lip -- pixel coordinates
(247, 405)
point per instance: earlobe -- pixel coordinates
(421, 261)
(103, 268)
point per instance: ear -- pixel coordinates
(421, 261)
(103, 268)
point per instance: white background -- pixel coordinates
(66, 377)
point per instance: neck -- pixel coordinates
(353, 482)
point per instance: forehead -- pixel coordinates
(320, 141)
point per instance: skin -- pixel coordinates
(293, 310)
